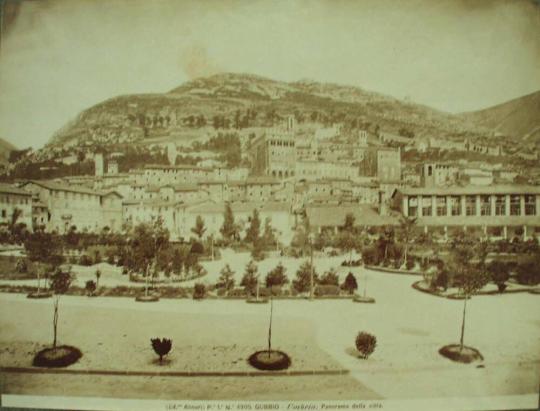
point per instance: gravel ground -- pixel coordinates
(410, 327)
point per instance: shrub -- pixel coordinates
(350, 284)
(90, 287)
(85, 260)
(302, 282)
(237, 292)
(276, 276)
(21, 266)
(365, 344)
(499, 272)
(441, 279)
(410, 264)
(325, 290)
(199, 291)
(329, 278)
(161, 347)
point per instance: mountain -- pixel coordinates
(234, 101)
(519, 118)
(5, 149)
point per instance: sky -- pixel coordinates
(59, 57)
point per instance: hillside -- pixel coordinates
(519, 118)
(234, 101)
(5, 148)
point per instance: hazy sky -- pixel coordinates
(60, 57)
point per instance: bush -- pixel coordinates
(90, 287)
(365, 344)
(410, 264)
(329, 278)
(199, 291)
(237, 292)
(499, 272)
(528, 273)
(276, 276)
(161, 347)
(350, 284)
(21, 266)
(85, 260)
(325, 290)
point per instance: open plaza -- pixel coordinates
(217, 335)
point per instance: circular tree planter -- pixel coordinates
(535, 291)
(40, 294)
(465, 356)
(150, 298)
(61, 356)
(256, 301)
(272, 360)
(361, 299)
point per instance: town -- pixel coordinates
(269, 205)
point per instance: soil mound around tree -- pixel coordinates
(465, 356)
(61, 356)
(270, 360)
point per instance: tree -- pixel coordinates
(472, 276)
(226, 278)
(302, 282)
(349, 223)
(228, 229)
(250, 278)
(350, 285)
(276, 276)
(45, 248)
(199, 228)
(301, 236)
(177, 261)
(60, 282)
(269, 237)
(406, 227)
(146, 242)
(252, 233)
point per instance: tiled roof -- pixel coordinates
(9, 189)
(72, 189)
(471, 189)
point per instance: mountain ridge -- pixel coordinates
(136, 117)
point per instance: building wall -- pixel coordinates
(11, 201)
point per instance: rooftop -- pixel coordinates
(472, 189)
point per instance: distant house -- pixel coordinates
(12, 199)
(84, 208)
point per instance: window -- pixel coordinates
(530, 205)
(515, 204)
(500, 205)
(427, 206)
(413, 206)
(470, 205)
(485, 205)
(441, 205)
(455, 205)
